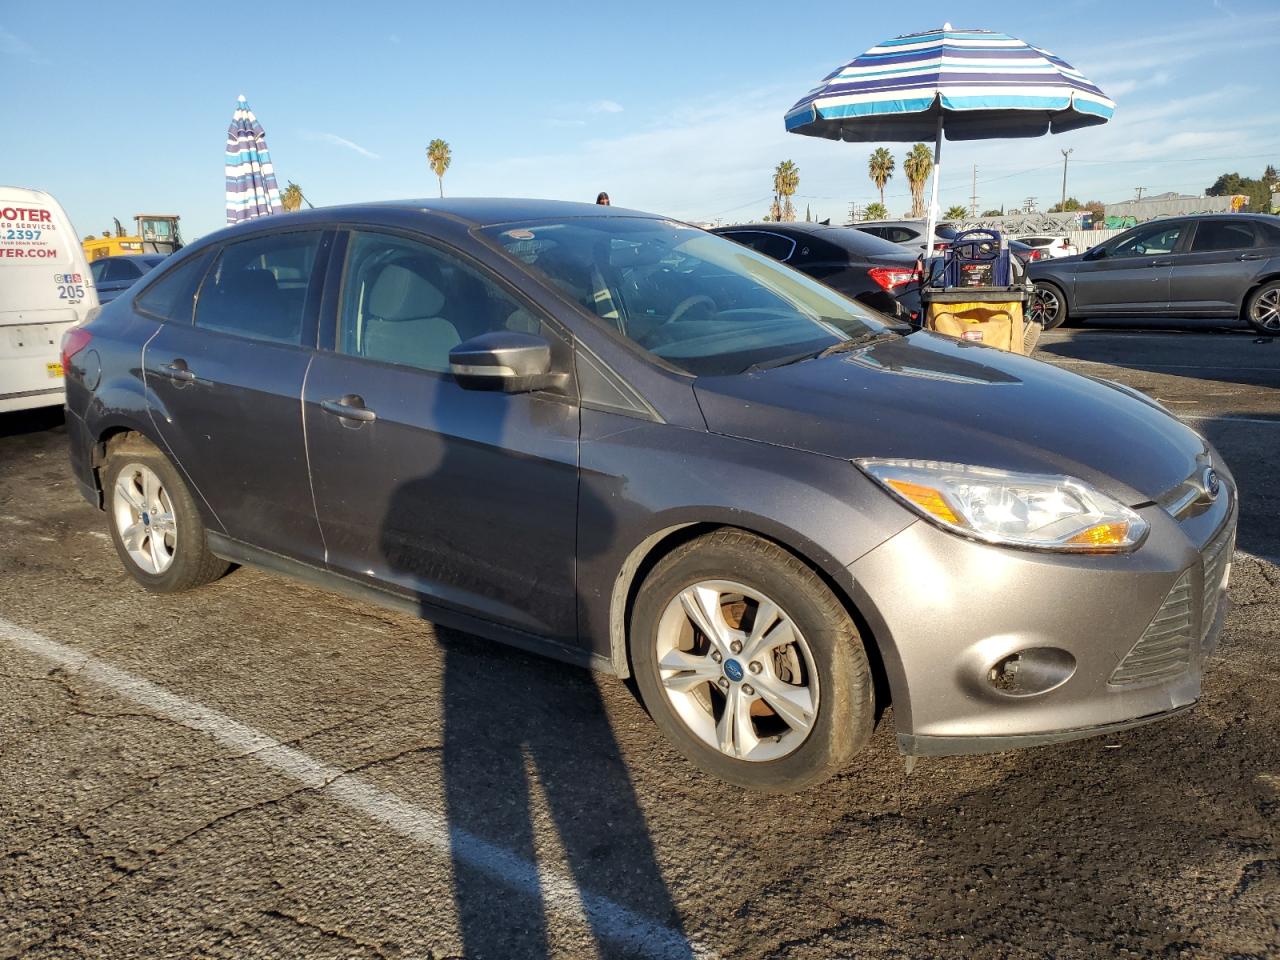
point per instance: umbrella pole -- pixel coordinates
(933, 191)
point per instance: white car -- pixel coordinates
(1054, 246)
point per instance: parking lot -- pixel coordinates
(261, 769)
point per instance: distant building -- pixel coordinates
(1173, 205)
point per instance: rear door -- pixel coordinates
(227, 389)
(1131, 274)
(461, 498)
(1217, 268)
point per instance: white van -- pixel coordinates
(45, 287)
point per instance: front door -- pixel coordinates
(455, 497)
(1217, 269)
(1131, 273)
(228, 390)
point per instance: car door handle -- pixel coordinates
(1251, 256)
(178, 371)
(350, 407)
(1162, 263)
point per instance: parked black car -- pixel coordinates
(881, 274)
(1224, 265)
(631, 444)
(114, 275)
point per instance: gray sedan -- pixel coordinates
(631, 444)
(1224, 266)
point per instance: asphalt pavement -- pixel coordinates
(261, 769)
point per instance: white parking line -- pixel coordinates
(560, 894)
(1226, 418)
(1169, 366)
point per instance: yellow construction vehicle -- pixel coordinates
(153, 233)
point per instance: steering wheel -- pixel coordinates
(655, 337)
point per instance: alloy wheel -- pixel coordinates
(144, 518)
(1045, 307)
(1265, 311)
(737, 670)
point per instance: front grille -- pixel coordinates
(1216, 560)
(1164, 649)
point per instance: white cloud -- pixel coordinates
(338, 141)
(12, 45)
(604, 106)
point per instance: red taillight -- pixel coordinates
(890, 277)
(73, 341)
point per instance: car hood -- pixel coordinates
(929, 397)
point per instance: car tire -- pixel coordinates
(153, 520)
(1049, 305)
(1262, 309)
(809, 662)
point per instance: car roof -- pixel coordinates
(487, 211)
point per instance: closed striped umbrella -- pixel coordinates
(251, 179)
(964, 84)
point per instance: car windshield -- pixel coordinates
(697, 301)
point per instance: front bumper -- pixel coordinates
(947, 611)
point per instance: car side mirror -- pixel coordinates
(506, 361)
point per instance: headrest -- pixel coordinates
(253, 283)
(402, 292)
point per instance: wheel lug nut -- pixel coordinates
(736, 646)
(724, 683)
(715, 655)
(749, 690)
(754, 666)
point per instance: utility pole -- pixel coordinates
(1138, 191)
(1029, 205)
(1065, 155)
(853, 211)
(973, 196)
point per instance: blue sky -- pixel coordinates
(671, 107)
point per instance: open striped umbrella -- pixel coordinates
(251, 180)
(966, 84)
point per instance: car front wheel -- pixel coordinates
(1048, 306)
(749, 664)
(155, 525)
(1263, 308)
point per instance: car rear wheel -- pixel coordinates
(1263, 308)
(1048, 305)
(749, 664)
(154, 523)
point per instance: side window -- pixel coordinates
(900, 234)
(121, 270)
(258, 288)
(406, 302)
(1158, 239)
(770, 244)
(171, 296)
(1270, 234)
(98, 268)
(1212, 235)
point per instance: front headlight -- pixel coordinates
(1033, 511)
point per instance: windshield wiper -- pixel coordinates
(861, 340)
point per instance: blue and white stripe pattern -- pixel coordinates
(985, 84)
(251, 179)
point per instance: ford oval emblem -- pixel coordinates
(1212, 483)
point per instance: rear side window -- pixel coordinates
(1219, 235)
(258, 288)
(172, 295)
(770, 244)
(121, 270)
(1270, 233)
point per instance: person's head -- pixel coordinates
(602, 198)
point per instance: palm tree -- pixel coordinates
(917, 166)
(875, 211)
(291, 197)
(958, 212)
(880, 169)
(439, 156)
(786, 180)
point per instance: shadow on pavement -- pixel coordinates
(525, 740)
(22, 422)
(1252, 450)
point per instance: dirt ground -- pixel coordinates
(259, 769)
